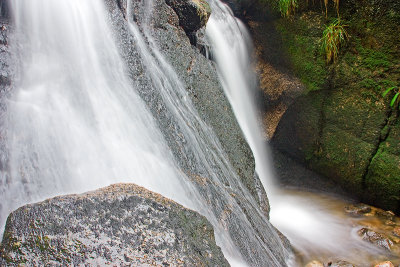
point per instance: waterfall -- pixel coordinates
(231, 48)
(73, 122)
(78, 120)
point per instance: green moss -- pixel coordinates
(374, 59)
(370, 84)
(383, 181)
(343, 158)
(302, 46)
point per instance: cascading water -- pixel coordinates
(73, 122)
(231, 47)
(76, 121)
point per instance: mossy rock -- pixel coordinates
(383, 181)
(301, 42)
(355, 142)
(359, 116)
(297, 133)
(342, 157)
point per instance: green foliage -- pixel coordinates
(395, 98)
(333, 37)
(287, 7)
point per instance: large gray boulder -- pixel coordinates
(122, 224)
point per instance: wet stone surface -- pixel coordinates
(375, 238)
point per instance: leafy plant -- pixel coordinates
(334, 36)
(287, 7)
(395, 97)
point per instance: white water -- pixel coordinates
(75, 122)
(231, 47)
(319, 230)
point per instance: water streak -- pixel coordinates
(232, 50)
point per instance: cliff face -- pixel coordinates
(341, 126)
(121, 225)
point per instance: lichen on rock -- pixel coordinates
(122, 224)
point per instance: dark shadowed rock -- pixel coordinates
(357, 209)
(4, 9)
(340, 264)
(121, 224)
(193, 14)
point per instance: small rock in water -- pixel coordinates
(375, 238)
(388, 215)
(385, 264)
(357, 209)
(396, 231)
(314, 264)
(340, 264)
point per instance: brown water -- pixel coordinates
(326, 228)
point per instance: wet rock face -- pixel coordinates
(200, 78)
(193, 14)
(4, 9)
(121, 224)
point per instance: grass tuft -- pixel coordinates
(334, 36)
